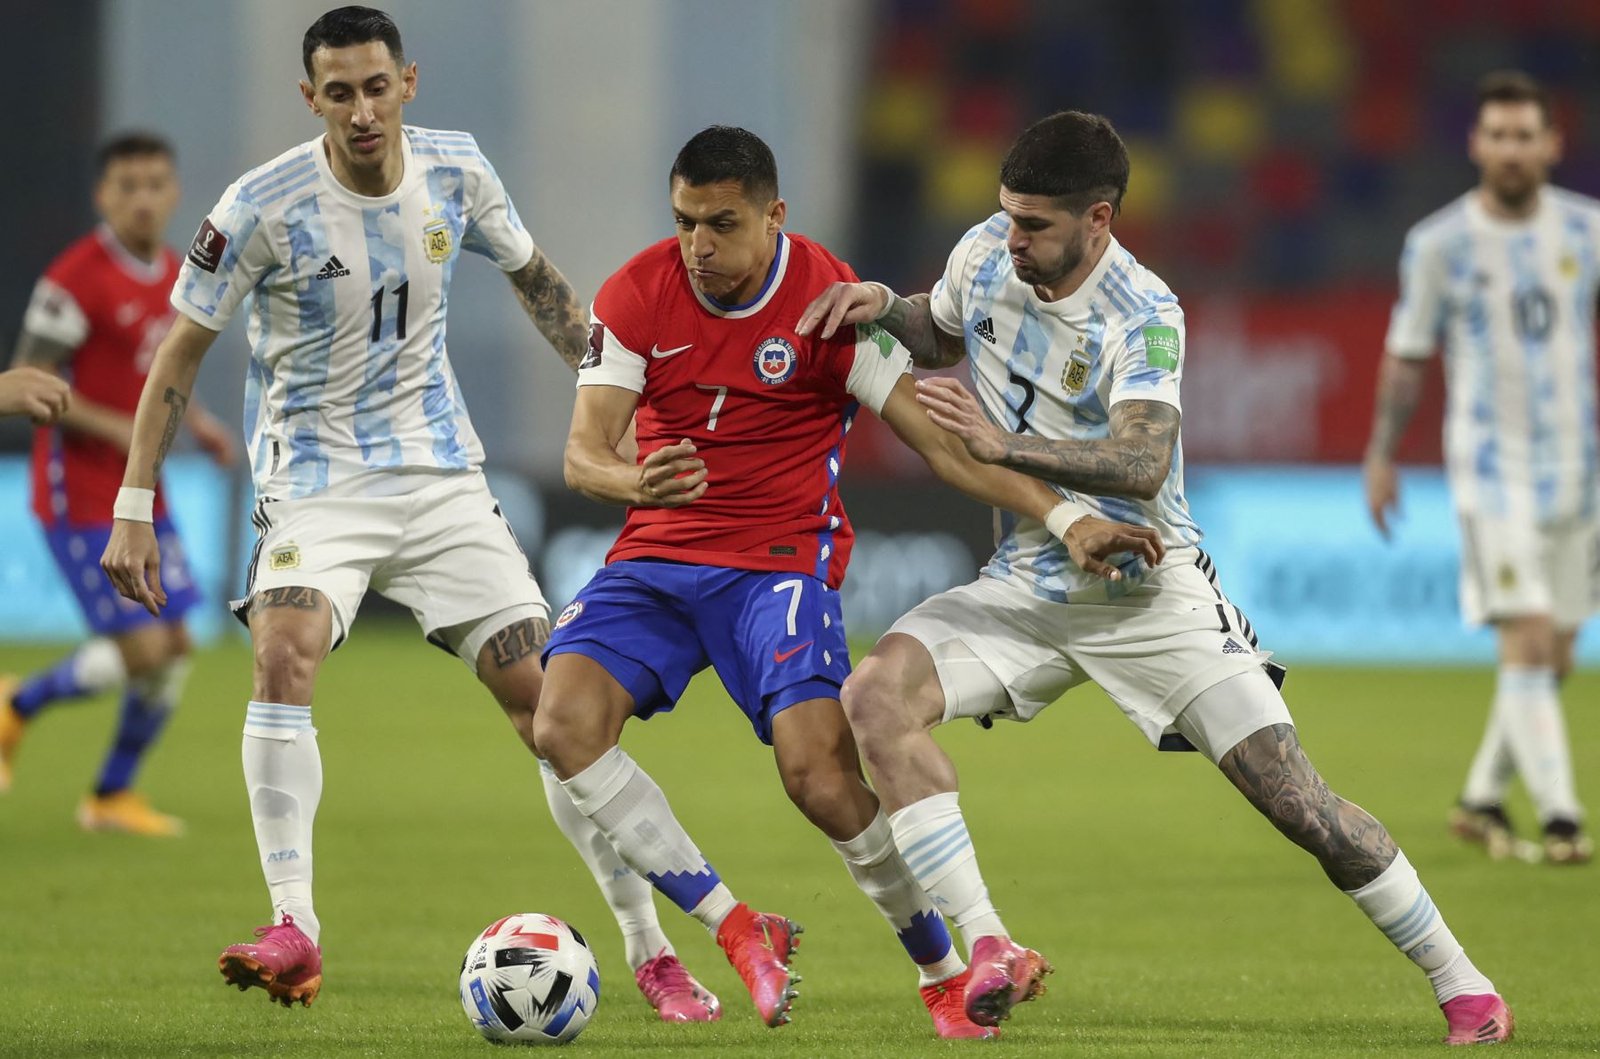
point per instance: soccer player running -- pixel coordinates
(367, 468)
(734, 546)
(95, 318)
(1076, 353)
(1505, 277)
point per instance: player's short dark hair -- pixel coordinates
(135, 143)
(1513, 86)
(1076, 158)
(344, 26)
(726, 152)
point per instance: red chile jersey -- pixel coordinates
(767, 410)
(111, 309)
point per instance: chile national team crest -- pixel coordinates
(775, 360)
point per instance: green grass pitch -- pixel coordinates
(1179, 922)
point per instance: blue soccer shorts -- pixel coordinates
(77, 551)
(775, 639)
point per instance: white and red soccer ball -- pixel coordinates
(529, 979)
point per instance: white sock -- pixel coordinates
(283, 775)
(932, 837)
(1492, 766)
(1398, 905)
(630, 897)
(1537, 733)
(882, 875)
(98, 666)
(633, 815)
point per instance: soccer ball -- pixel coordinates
(529, 979)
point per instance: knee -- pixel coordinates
(820, 784)
(876, 702)
(569, 738)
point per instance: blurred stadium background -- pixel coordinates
(1280, 150)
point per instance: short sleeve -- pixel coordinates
(615, 339)
(945, 302)
(1418, 317)
(1146, 357)
(54, 315)
(493, 228)
(229, 256)
(878, 363)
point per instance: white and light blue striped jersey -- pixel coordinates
(1513, 303)
(1054, 369)
(345, 299)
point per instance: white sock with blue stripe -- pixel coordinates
(283, 775)
(932, 837)
(1398, 905)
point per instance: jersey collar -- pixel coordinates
(769, 287)
(319, 152)
(1078, 301)
(135, 267)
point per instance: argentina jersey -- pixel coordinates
(1054, 370)
(344, 297)
(1513, 303)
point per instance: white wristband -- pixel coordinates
(888, 299)
(1062, 516)
(135, 505)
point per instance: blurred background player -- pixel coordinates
(96, 317)
(39, 395)
(367, 468)
(733, 550)
(1077, 352)
(1505, 278)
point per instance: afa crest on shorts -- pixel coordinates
(775, 360)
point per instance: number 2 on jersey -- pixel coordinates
(401, 295)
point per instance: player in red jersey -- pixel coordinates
(96, 317)
(734, 547)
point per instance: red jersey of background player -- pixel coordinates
(768, 411)
(112, 310)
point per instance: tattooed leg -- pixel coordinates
(1271, 770)
(508, 665)
(291, 629)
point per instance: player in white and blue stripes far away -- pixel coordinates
(1505, 279)
(1076, 352)
(339, 253)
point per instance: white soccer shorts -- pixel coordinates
(1001, 651)
(443, 550)
(1509, 569)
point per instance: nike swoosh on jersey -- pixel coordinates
(784, 656)
(657, 352)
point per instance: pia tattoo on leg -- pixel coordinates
(519, 640)
(298, 598)
(1272, 771)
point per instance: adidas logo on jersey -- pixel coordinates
(333, 269)
(985, 329)
(1232, 647)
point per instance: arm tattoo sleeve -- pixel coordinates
(1399, 390)
(550, 303)
(176, 402)
(519, 640)
(1133, 461)
(911, 321)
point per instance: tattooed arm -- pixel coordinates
(908, 319)
(132, 559)
(1132, 462)
(550, 303)
(1399, 390)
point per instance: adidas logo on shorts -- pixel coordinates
(333, 268)
(985, 329)
(1232, 647)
